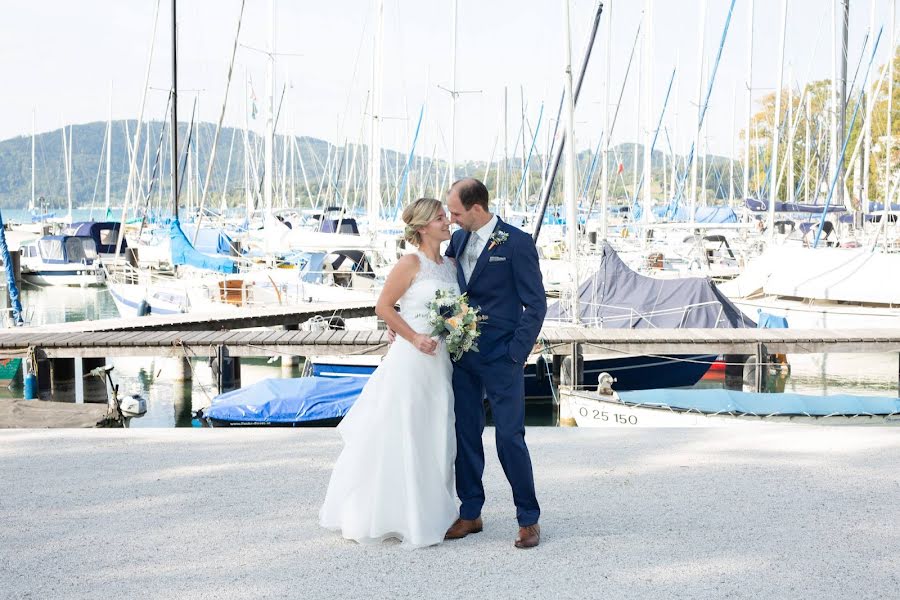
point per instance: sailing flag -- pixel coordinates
(620, 169)
(253, 110)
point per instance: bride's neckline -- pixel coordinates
(426, 257)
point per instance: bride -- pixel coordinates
(394, 477)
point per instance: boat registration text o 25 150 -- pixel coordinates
(607, 416)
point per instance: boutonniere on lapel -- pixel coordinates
(497, 238)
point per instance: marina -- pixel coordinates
(285, 288)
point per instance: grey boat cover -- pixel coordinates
(618, 297)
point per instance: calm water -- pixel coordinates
(171, 403)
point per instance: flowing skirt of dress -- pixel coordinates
(394, 477)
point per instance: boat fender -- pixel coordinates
(144, 309)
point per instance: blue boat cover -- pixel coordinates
(183, 253)
(702, 214)
(729, 401)
(300, 400)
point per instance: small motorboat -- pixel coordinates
(62, 260)
(299, 402)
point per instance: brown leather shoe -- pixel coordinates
(463, 527)
(529, 537)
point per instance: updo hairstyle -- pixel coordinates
(417, 215)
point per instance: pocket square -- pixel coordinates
(497, 259)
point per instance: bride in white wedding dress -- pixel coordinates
(394, 477)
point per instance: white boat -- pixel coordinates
(720, 408)
(55, 260)
(821, 287)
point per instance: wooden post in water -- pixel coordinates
(289, 361)
(762, 367)
(734, 371)
(94, 388)
(227, 370)
(62, 377)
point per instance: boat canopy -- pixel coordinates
(63, 249)
(618, 297)
(104, 233)
(183, 253)
(299, 400)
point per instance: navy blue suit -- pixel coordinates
(506, 284)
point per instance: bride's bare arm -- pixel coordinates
(398, 281)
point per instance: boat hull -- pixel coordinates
(590, 409)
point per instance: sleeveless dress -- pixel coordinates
(394, 477)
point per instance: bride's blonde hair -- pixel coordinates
(417, 215)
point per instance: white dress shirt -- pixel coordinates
(477, 241)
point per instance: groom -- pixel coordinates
(497, 266)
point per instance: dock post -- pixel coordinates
(571, 374)
(94, 388)
(762, 367)
(42, 369)
(182, 371)
(734, 371)
(62, 376)
(224, 370)
(289, 361)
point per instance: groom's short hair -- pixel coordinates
(471, 192)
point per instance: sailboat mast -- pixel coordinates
(604, 167)
(33, 162)
(888, 138)
(173, 117)
(569, 176)
(648, 135)
(842, 98)
(694, 164)
(373, 201)
(776, 129)
(108, 152)
(453, 94)
(749, 101)
(270, 114)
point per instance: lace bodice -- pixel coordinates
(430, 278)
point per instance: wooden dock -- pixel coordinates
(239, 318)
(556, 340)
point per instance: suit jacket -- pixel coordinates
(506, 284)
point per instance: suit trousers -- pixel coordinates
(502, 382)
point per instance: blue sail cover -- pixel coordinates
(617, 297)
(210, 240)
(702, 214)
(11, 287)
(285, 401)
(183, 253)
(733, 402)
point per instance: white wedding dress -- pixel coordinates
(394, 477)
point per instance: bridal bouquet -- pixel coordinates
(451, 317)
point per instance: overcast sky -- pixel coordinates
(59, 59)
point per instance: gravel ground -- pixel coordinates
(773, 512)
